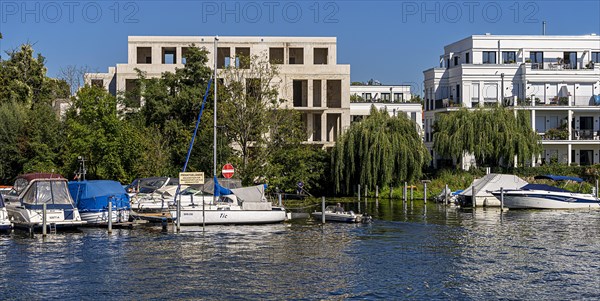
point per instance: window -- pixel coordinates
(296, 56)
(509, 57)
(398, 97)
(385, 97)
(276, 55)
(184, 54)
(570, 60)
(489, 57)
(320, 56)
(242, 57)
(98, 83)
(537, 59)
(456, 61)
(447, 63)
(467, 58)
(367, 96)
(596, 57)
(169, 55)
(144, 55)
(223, 57)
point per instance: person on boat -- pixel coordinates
(338, 208)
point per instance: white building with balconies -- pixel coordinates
(310, 79)
(555, 78)
(395, 99)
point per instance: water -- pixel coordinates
(409, 252)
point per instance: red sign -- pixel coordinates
(227, 171)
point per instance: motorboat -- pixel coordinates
(337, 214)
(542, 196)
(5, 224)
(92, 198)
(149, 185)
(246, 205)
(35, 190)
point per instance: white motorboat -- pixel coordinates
(5, 224)
(336, 214)
(33, 191)
(542, 196)
(246, 205)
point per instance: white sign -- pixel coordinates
(191, 178)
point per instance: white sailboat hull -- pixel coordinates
(539, 199)
(213, 216)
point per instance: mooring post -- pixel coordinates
(446, 195)
(404, 193)
(501, 198)
(359, 192)
(279, 196)
(179, 213)
(425, 192)
(109, 217)
(323, 210)
(391, 191)
(376, 191)
(597, 192)
(411, 192)
(473, 198)
(164, 224)
(44, 220)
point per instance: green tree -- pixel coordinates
(248, 97)
(380, 150)
(172, 103)
(493, 136)
(13, 118)
(23, 79)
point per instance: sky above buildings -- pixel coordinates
(390, 41)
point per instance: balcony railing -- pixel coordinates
(585, 135)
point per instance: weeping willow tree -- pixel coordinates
(495, 136)
(380, 150)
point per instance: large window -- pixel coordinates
(570, 60)
(385, 97)
(537, 59)
(509, 57)
(467, 58)
(398, 97)
(489, 57)
(596, 57)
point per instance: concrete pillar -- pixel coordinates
(178, 58)
(156, 55)
(310, 126)
(569, 122)
(533, 158)
(569, 157)
(324, 127)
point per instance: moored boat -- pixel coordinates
(542, 196)
(337, 214)
(5, 224)
(92, 197)
(33, 191)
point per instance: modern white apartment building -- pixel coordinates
(310, 79)
(555, 78)
(394, 98)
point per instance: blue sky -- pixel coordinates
(391, 41)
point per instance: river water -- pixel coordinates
(410, 251)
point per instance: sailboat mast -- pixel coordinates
(215, 118)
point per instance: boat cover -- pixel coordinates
(492, 182)
(559, 178)
(543, 187)
(252, 198)
(227, 184)
(94, 195)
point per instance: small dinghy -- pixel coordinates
(337, 214)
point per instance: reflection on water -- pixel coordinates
(410, 251)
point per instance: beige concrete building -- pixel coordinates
(310, 79)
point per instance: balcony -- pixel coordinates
(585, 135)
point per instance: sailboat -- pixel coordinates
(246, 205)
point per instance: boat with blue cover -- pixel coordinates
(542, 196)
(92, 196)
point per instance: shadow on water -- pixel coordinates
(411, 250)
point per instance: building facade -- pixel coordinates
(310, 79)
(555, 78)
(394, 98)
